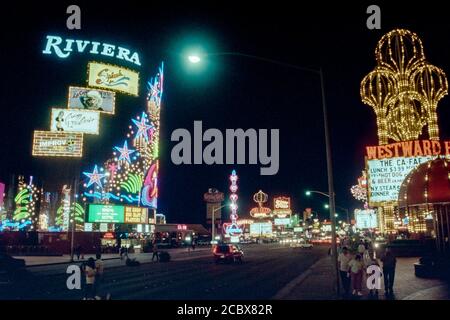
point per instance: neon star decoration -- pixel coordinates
(143, 127)
(125, 152)
(132, 174)
(94, 177)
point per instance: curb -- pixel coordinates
(287, 289)
(65, 262)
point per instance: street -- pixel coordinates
(267, 268)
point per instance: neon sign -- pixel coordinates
(63, 48)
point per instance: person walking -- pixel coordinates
(343, 260)
(99, 269)
(389, 264)
(356, 267)
(155, 251)
(78, 252)
(89, 271)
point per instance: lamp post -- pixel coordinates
(342, 208)
(213, 227)
(195, 59)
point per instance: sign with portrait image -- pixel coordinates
(110, 77)
(91, 99)
(71, 120)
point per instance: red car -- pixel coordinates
(227, 253)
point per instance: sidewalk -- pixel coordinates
(317, 284)
(177, 254)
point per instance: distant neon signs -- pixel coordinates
(57, 144)
(181, 227)
(261, 228)
(282, 207)
(106, 76)
(91, 99)
(260, 212)
(80, 121)
(282, 221)
(63, 48)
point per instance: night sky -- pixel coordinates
(232, 92)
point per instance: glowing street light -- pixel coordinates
(194, 59)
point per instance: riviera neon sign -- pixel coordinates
(63, 50)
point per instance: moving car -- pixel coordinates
(305, 244)
(227, 253)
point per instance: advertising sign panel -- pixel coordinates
(260, 228)
(110, 77)
(57, 144)
(388, 165)
(135, 215)
(105, 213)
(81, 121)
(366, 219)
(91, 99)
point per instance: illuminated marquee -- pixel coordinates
(388, 165)
(64, 49)
(80, 121)
(91, 99)
(110, 77)
(57, 144)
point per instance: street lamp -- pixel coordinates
(326, 206)
(194, 59)
(213, 228)
(318, 72)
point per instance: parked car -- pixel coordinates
(227, 253)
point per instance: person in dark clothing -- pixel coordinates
(78, 251)
(389, 263)
(155, 251)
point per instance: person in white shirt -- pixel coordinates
(343, 259)
(89, 271)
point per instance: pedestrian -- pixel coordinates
(193, 245)
(389, 264)
(78, 252)
(356, 267)
(89, 271)
(99, 269)
(155, 251)
(361, 248)
(343, 259)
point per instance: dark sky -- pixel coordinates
(234, 92)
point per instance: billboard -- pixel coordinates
(80, 121)
(91, 99)
(261, 228)
(135, 215)
(366, 219)
(110, 77)
(388, 165)
(57, 144)
(105, 213)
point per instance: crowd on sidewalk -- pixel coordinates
(359, 267)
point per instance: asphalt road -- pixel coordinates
(266, 270)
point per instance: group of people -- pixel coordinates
(94, 272)
(354, 269)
